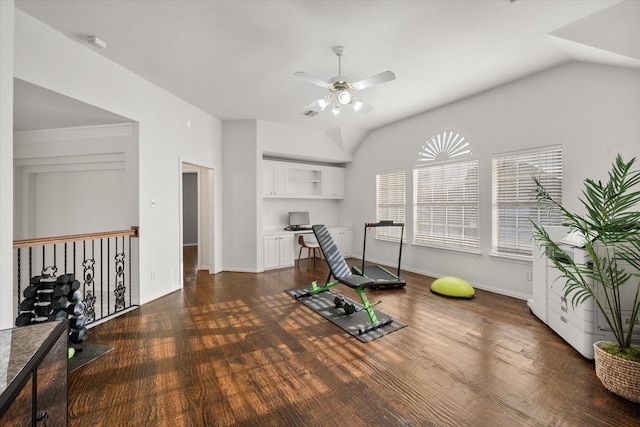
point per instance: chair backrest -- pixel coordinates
(337, 265)
(301, 241)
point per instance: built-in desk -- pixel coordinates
(280, 246)
(33, 375)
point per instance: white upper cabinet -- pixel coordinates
(274, 179)
(333, 182)
(303, 181)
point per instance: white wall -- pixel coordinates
(591, 110)
(278, 140)
(75, 180)
(242, 224)
(275, 212)
(170, 131)
(6, 164)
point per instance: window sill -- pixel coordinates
(522, 258)
(442, 248)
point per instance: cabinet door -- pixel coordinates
(267, 179)
(280, 180)
(339, 183)
(328, 179)
(333, 182)
(346, 241)
(286, 250)
(270, 252)
(274, 179)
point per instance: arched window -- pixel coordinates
(446, 194)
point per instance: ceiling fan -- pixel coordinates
(341, 90)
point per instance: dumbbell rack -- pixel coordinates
(49, 298)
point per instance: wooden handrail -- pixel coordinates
(133, 232)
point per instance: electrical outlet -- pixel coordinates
(527, 275)
(153, 275)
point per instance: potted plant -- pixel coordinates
(610, 229)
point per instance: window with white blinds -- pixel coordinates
(514, 203)
(390, 202)
(446, 205)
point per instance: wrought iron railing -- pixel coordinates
(104, 263)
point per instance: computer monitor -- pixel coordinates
(297, 219)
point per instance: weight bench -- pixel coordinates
(341, 273)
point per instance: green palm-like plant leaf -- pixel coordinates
(611, 228)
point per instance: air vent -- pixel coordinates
(310, 113)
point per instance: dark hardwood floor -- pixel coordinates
(234, 349)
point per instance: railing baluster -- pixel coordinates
(130, 259)
(18, 271)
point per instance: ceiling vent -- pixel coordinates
(310, 113)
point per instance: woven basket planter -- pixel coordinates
(619, 376)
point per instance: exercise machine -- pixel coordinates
(339, 270)
(381, 276)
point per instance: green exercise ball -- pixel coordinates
(455, 287)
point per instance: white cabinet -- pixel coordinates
(302, 181)
(274, 179)
(278, 251)
(344, 240)
(333, 182)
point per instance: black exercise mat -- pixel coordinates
(89, 353)
(322, 303)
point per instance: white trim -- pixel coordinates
(68, 134)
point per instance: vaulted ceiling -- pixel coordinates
(236, 59)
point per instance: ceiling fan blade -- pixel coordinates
(318, 105)
(312, 79)
(374, 80)
(360, 106)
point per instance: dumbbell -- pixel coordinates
(77, 322)
(75, 285)
(347, 307)
(58, 315)
(30, 291)
(45, 295)
(77, 336)
(61, 289)
(27, 304)
(59, 302)
(43, 310)
(75, 296)
(25, 319)
(75, 308)
(66, 278)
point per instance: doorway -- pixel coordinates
(196, 219)
(190, 226)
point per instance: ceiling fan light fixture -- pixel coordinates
(344, 97)
(323, 103)
(341, 89)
